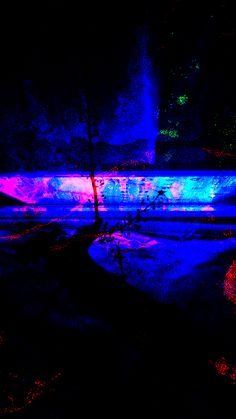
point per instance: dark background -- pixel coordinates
(50, 40)
(51, 48)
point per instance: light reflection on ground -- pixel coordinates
(170, 263)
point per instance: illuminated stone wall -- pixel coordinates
(122, 189)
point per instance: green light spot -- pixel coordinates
(182, 100)
(173, 133)
(195, 65)
(164, 131)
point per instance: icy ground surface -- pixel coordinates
(75, 322)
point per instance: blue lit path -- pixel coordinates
(163, 258)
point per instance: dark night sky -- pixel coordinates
(52, 42)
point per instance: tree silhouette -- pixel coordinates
(90, 106)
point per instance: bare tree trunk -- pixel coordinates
(92, 164)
